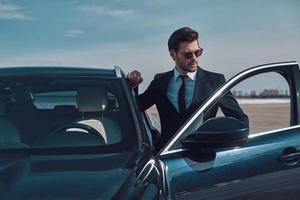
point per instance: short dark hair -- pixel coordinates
(184, 34)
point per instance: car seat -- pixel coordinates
(92, 103)
(9, 134)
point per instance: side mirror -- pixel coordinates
(219, 132)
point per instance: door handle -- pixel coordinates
(290, 159)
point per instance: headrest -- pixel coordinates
(91, 99)
(65, 109)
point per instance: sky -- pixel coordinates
(133, 34)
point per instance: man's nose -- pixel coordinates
(194, 56)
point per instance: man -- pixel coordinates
(179, 92)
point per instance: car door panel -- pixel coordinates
(238, 172)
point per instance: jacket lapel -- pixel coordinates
(164, 84)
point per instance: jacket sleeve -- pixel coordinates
(230, 106)
(148, 98)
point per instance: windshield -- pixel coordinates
(64, 112)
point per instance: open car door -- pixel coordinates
(202, 163)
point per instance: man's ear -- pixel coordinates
(173, 54)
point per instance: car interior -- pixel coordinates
(45, 114)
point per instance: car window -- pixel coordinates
(65, 112)
(265, 98)
(50, 100)
(154, 117)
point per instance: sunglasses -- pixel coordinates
(190, 54)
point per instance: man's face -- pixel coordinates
(185, 63)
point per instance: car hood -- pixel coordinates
(55, 177)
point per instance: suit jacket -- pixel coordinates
(206, 83)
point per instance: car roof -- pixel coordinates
(49, 71)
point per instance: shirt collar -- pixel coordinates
(191, 75)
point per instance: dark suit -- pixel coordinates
(206, 83)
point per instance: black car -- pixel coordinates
(77, 133)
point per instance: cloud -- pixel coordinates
(73, 33)
(12, 12)
(101, 10)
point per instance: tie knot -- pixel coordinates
(182, 77)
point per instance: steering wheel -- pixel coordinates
(77, 125)
(61, 137)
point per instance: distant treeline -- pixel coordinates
(266, 93)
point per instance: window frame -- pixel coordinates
(289, 70)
